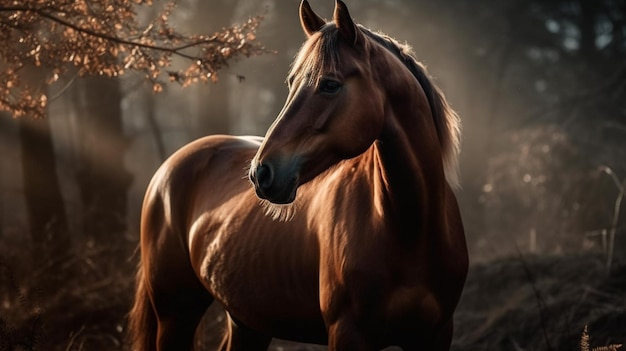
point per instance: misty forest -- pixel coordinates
(96, 94)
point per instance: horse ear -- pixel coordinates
(344, 22)
(309, 20)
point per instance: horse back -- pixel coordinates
(171, 191)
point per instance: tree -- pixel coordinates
(44, 201)
(102, 178)
(43, 42)
(105, 38)
(213, 103)
(45, 208)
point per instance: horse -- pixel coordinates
(339, 227)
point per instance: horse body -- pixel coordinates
(267, 276)
(371, 251)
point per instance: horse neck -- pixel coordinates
(410, 159)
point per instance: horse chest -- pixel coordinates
(394, 290)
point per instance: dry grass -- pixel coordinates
(585, 343)
(540, 303)
(76, 302)
(502, 305)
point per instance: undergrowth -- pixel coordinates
(79, 303)
(541, 303)
(70, 303)
(585, 343)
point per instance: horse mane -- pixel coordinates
(446, 120)
(320, 57)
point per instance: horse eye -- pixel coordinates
(329, 87)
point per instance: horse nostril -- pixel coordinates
(264, 176)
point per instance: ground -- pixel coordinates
(518, 303)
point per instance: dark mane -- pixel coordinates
(319, 56)
(446, 120)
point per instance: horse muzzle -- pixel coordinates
(276, 184)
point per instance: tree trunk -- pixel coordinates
(291, 38)
(44, 203)
(102, 178)
(213, 99)
(4, 150)
(587, 25)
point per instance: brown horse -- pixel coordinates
(347, 232)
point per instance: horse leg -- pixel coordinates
(179, 299)
(441, 341)
(239, 337)
(167, 310)
(178, 318)
(345, 335)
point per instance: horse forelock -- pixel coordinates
(319, 56)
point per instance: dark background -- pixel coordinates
(541, 90)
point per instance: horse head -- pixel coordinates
(334, 109)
